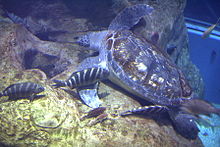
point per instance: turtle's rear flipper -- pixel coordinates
(149, 110)
(185, 125)
(89, 95)
(130, 16)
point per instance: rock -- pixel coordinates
(193, 74)
(48, 20)
(54, 120)
(22, 50)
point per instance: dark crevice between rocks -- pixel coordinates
(49, 64)
(20, 8)
(98, 13)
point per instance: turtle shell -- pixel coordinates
(143, 69)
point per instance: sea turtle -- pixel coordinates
(137, 66)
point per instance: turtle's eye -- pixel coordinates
(83, 40)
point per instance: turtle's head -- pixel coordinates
(92, 40)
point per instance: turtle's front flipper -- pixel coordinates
(130, 16)
(89, 95)
(86, 82)
(149, 110)
(91, 62)
(95, 71)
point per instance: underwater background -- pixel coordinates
(205, 54)
(37, 45)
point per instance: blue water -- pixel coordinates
(205, 10)
(201, 53)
